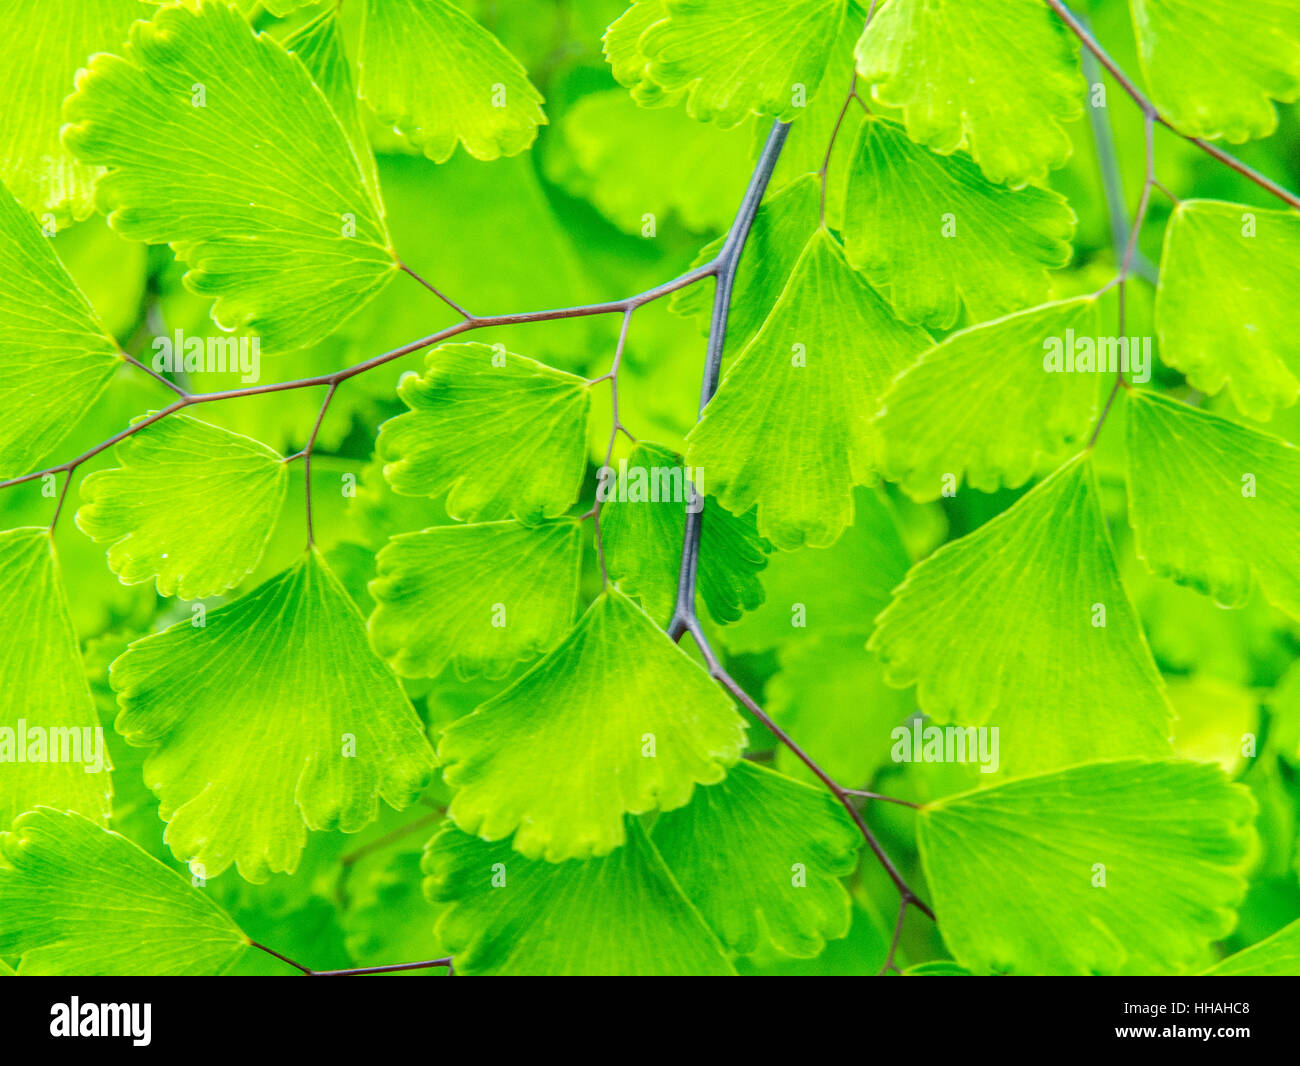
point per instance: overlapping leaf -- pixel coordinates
(78, 899)
(1000, 77)
(622, 914)
(1226, 310)
(1213, 504)
(830, 693)
(271, 718)
(761, 856)
(780, 233)
(837, 591)
(1214, 67)
(486, 596)
(43, 47)
(1274, 956)
(191, 506)
(642, 525)
(319, 44)
(932, 234)
(807, 139)
(616, 720)
(1024, 625)
(1129, 866)
(269, 207)
(628, 62)
(632, 162)
(985, 406)
(49, 731)
(500, 434)
(433, 72)
(56, 356)
(789, 429)
(733, 58)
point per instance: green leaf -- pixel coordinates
(1214, 505)
(632, 162)
(499, 433)
(442, 595)
(262, 215)
(78, 899)
(278, 8)
(780, 233)
(1275, 956)
(47, 700)
(736, 57)
(56, 356)
(932, 234)
(836, 591)
(270, 719)
(831, 695)
(789, 428)
(628, 62)
(1017, 870)
(1226, 312)
(1005, 628)
(1213, 67)
(569, 748)
(319, 44)
(642, 522)
(761, 856)
(807, 139)
(618, 915)
(167, 511)
(982, 404)
(430, 70)
(43, 47)
(999, 77)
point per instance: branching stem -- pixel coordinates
(357, 972)
(1091, 43)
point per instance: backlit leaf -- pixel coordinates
(56, 356)
(642, 525)
(78, 899)
(735, 57)
(1131, 867)
(433, 72)
(49, 731)
(999, 77)
(500, 434)
(272, 215)
(1226, 311)
(313, 728)
(983, 405)
(1214, 67)
(761, 856)
(1024, 625)
(573, 745)
(789, 429)
(191, 506)
(622, 914)
(1213, 504)
(443, 595)
(933, 235)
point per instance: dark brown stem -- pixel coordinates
(436, 292)
(339, 376)
(356, 972)
(845, 796)
(306, 460)
(1149, 109)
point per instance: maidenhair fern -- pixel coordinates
(388, 515)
